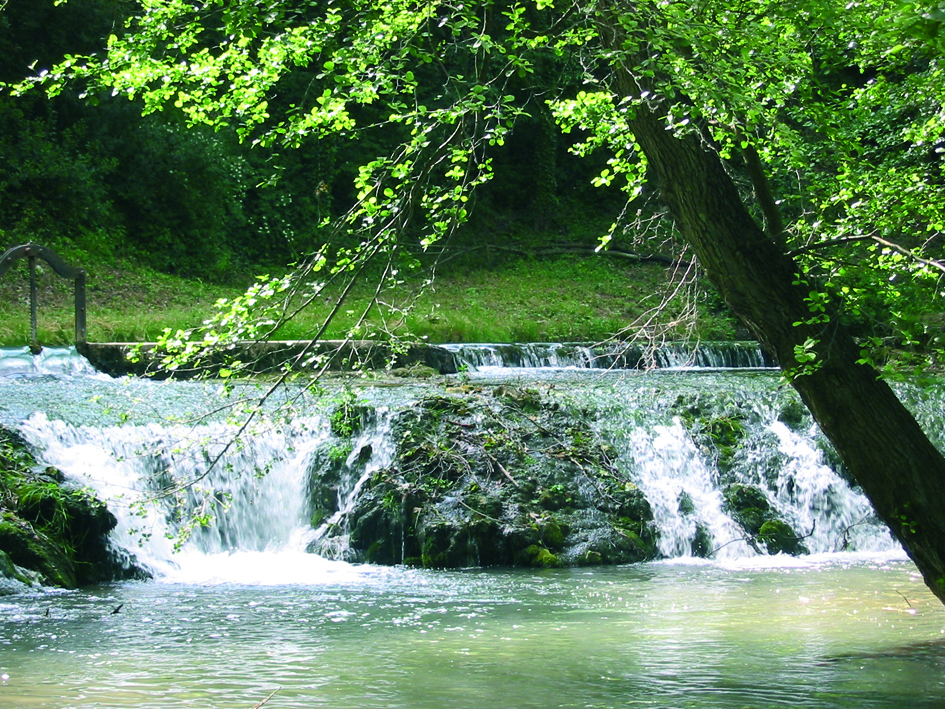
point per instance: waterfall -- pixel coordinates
(680, 488)
(532, 355)
(373, 449)
(685, 475)
(617, 355)
(816, 501)
(256, 494)
(277, 491)
(55, 361)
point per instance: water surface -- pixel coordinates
(832, 631)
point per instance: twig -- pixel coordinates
(264, 701)
(501, 467)
(842, 539)
(932, 263)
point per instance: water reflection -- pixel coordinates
(830, 633)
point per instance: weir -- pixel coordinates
(260, 497)
(613, 355)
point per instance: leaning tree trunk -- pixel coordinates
(880, 442)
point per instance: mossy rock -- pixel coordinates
(13, 578)
(778, 536)
(415, 371)
(630, 502)
(751, 519)
(556, 497)
(33, 549)
(519, 397)
(474, 481)
(702, 543)
(726, 432)
(684, 503)
(348, 419)
(794, 415)
(741, 497)
(59, 532)
(589, 557)
(539, 557)
(551, 532)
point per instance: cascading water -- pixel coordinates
(679, 356)
(372, 450)
(813, 498)
(54, 361)
(258, 494)
(251, 617)
(680, 488)
(254, 498)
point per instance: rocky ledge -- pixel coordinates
(52, 533)
(502, 476)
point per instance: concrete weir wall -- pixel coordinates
(139, 359)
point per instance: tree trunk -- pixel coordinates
(880, 442)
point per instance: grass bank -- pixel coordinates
(567, 298)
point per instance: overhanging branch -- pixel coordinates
(932, 263)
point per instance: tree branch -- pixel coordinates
(940, 265)
(774, 225)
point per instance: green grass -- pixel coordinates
(124, 304)
(573, 298)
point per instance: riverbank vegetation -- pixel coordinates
(510, 299)
(168, 215)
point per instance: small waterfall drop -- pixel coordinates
(617, 355)
(686, 480)
(372, 450)
(255, 498)
(51, 361)
(532, 355)
(682, 493)
(818, 503)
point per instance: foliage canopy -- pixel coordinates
(829, 114)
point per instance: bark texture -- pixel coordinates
(879, 440)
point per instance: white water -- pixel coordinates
(55, 361)
(668, 466)
(557, 355)
(244, 614)
(256, 496)
(816, 501)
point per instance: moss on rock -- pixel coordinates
(501, 477)
(46, 526)
(749, 507)
(779, 537)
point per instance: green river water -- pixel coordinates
(829, 633)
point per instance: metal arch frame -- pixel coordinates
(32, 252)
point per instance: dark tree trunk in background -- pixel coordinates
(880, 442)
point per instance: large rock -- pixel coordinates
(501, 477)
(57, 531)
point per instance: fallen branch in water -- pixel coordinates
(266, 700)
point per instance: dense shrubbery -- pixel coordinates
(96, 180)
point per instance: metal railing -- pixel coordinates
(33, 252)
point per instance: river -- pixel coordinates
(243, 612)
